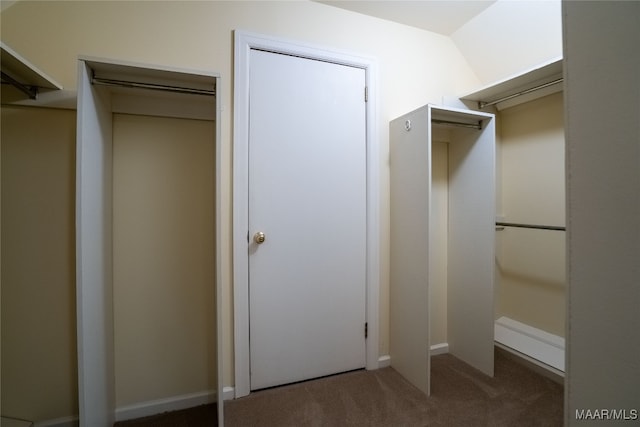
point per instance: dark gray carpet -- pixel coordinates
(200, 416)
(460, 396)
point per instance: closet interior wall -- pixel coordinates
(163, 247)
(531, 262)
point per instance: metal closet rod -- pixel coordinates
(534, 226)
(459, 124)
(483, 104)
(139, 85)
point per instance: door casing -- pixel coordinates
(244, 42)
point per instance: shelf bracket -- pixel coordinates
(30, 91)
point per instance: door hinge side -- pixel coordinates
(366, 94)
(366, 329)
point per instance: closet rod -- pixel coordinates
(30, 91)
(138, 85)
(483, 104)
(459, 124)
(538, 227)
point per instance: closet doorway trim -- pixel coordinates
(94, 269)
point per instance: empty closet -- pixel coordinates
(142, 203)
(530, 239)
(454, 253)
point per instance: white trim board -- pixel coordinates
(244, 42)
(143, 409)
(532, 342)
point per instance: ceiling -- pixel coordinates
(440, 16)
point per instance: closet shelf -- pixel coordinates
(130, 75)
(160, 91)
(25, 79)
(542, 80)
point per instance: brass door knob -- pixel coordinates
(259, 237)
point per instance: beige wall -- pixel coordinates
(415, 67)
(531, 263)
(39, 370)
(163, 247)
(439, 237)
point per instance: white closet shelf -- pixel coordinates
(140, 76)
(161, 91)
(25, 78)
(542, 80)
(458, 117)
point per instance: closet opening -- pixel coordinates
(530, 234)
(531, 285)
(148, 234)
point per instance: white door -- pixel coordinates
(307, 194)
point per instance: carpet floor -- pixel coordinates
(460, 396)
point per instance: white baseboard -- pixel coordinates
(153, 407)
(384, 361)
(145, 409)
(14, 422)
(437, 349)
(434, 350)
(533, 364)
(228, 393)
(532, 342)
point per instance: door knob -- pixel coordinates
(259, 237)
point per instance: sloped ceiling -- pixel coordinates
(439, 16)
(442, 16)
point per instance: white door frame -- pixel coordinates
(244, 42)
